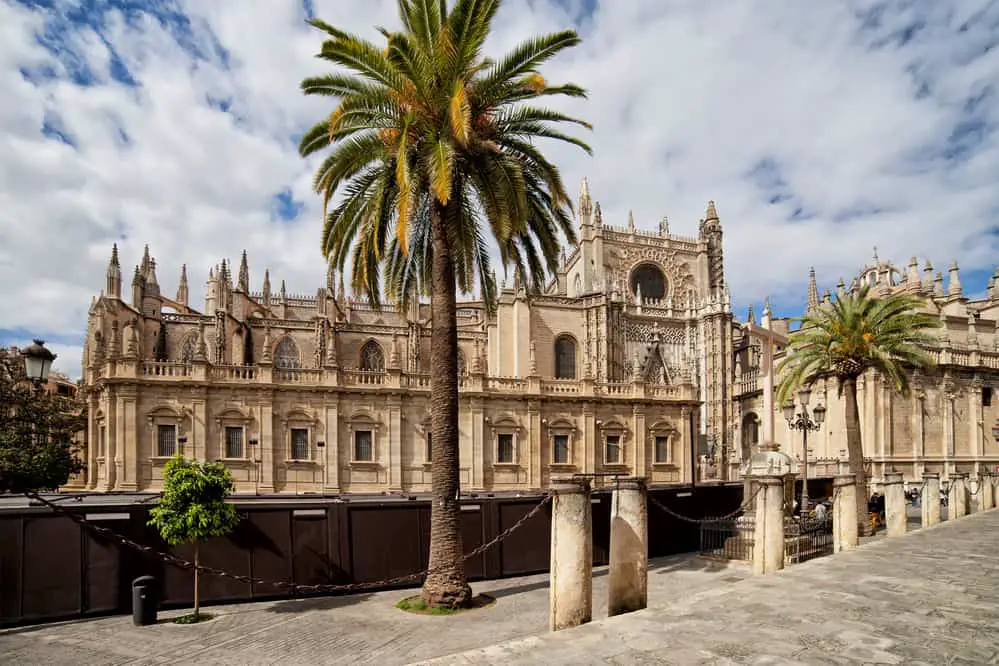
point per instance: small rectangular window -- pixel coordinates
(430, 447)
(504, 448)
(662, 449)
(986, 397)
(234, 442)
(300, 444)
(102, 441)
(613, 449)
(363, 446)
(166, 440)
(560, 450)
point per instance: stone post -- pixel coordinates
(988, 492)
(571, 586)
(628, 574)
(929, 499)
(974, 494)
(895, 518)
(955, 497)
(768, 539)
(845, 528)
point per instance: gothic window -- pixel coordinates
(651, 280)
(286, 355)
(462, 368)
(372, 358)
(565, 357)
(577, 285)
(187, 349)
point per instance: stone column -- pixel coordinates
(895, 518)
(629, 548)
(571, 586)
(845, 528)
(929, 500)
(768, 539)
(988, 492)
(955, 497)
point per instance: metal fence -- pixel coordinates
(807, 538)
(728, 539)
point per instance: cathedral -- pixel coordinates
(947, 424)
(629, 363)
(623, 365)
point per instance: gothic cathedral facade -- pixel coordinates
(623, 365)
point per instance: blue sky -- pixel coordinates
(821, 130)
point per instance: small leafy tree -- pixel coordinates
(193, 507)
(38, 432)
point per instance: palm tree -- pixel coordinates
(433, 158)
(855, 333)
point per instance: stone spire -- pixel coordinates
(972, 332)
(994, 292)
(283, 294)
(954, 285)
(330, 278)
(938, 288)
(393, 361)
(144, 266)
(201, 348)
(113, 281)
(912, 277)
(840, 288)
(137, 288)
(768, 313)
(532, 368)
(598, 216)
(826, 298)
(267, 287)
(244, 275)
(813, 293)
(182, 289)
(711, 215)
(752, 315)
(631, 221)
(585, 202)
(152, 282)
(928, 276)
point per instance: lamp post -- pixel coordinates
(804, 422)
(37, 362)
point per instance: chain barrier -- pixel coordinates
(295, 587)
(704, 521)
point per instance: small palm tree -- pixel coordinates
(432, 158)
(855, 333)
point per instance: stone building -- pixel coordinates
(622, 365)
(950, 421)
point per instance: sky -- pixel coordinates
(821, 129)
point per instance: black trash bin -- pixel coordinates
(145, 601)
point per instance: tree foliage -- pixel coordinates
(857, 332)
(193, 505)
(38, 433)
(426, 119)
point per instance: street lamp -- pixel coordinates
(804, 422)
(37, 362)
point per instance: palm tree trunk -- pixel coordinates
(446, 584)
(855, 451)
(196, 604)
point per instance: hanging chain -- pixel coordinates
(701, 521)
(296, 587)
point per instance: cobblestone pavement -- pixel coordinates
(359, 629)
(931, 597)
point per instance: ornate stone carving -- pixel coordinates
(648, 332)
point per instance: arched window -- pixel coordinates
(565, 357)
(187, 349)
(462, 368)
(286, 355)
(577, 285)
(651, 279)
(372, 358)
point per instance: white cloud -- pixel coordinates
(687, 99)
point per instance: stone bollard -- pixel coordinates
(846, 534)
(974, 494)
(896, 520)
(768, 538)
(988, 492)
(571, 580)
(929, 499)
(955, 497)
(628, 573)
